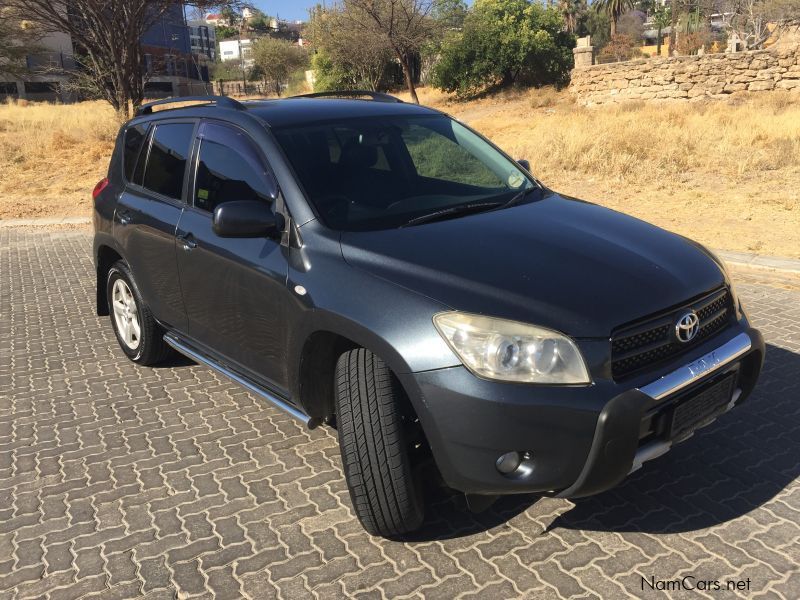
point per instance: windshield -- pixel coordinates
(380, 173)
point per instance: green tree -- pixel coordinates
(349, 56)
(232, 16)
(450, 14)
(614, 9)
(259, 22)
(276, 60)
(504, 41)
(571, 11)
(596, 24)
(224, 32)
(405, 26)
(662, 17)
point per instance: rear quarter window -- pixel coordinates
(134, 138)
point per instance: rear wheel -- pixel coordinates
(372, 415)
(138, 334)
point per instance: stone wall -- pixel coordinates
(688, 77)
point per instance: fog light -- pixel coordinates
(508, 463)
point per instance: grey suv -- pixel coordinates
(381, 268)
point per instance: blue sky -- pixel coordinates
(291, 10)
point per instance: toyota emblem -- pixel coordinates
(687, 327)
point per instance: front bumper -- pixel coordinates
(582, 440)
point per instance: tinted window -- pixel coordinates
(229, 168)
(138, 173)
(166, 164)
(134, 137)
(378, 173)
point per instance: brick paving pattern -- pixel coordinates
(120, 481)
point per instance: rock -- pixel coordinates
(761, 86)
(682, 78)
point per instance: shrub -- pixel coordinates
(620, 47)
(690, 43)
(502, 42)
(328, 75)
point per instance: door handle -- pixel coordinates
(187, 242)
(124, 217)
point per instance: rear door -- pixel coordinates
(148, 212)
(234, 289)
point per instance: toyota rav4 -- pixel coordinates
(381, 268)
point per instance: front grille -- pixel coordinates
(645, 344)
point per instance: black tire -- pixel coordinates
(371, 412)
(151, 348)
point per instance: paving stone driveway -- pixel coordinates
(117, 481)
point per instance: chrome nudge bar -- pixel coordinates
(695, 370)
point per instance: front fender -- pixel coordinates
(393, 322)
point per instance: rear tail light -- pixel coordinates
(98, 189)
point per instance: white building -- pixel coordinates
(238, 50)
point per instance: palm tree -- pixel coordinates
(571, 10)
(614, 9)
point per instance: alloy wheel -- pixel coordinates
(126, 315)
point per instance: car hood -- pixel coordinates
(558, 262)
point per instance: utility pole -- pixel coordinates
(241, 58)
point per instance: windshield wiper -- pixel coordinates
(450, 212)
(519, 197)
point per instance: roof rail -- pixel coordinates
(376, 96)
(223, 101)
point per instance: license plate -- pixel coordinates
(702, 405)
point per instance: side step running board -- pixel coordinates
(241, 380)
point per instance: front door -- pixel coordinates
(234, 289)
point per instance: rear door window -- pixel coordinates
(229, 167)
(134, 139)
(166, 163)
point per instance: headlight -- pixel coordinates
(511, 351)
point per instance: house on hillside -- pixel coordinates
(217, 20)
(239, 50)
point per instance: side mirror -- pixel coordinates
(525, 164)
(246, 219)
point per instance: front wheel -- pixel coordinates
(371, 418)
(138, 333)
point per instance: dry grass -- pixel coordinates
(725, 173)
(51, 156)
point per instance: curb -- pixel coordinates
(44, 222)
(771, 263)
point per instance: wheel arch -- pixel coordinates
(313, 355)
(105, 257)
